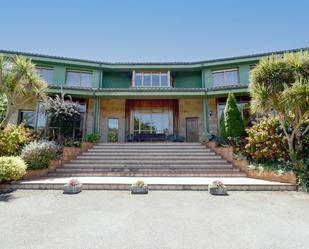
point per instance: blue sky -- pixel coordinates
(160, 30)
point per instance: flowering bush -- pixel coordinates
(217, 184)
(140, 184)
(11, 168)
(37, 154)
(12, 138)
(74, 182)
(266, 141)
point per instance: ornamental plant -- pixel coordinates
(280, 85)
(217, 185)
(74, 182)
(63, 113)
(12, 168)
(140, 184)
(38, 154)
(12, 138)
(232, 124)
(93, 137)
(266, 141)
(19, 82)
(3, 105)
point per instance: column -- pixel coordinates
(206, 116)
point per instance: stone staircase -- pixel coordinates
(146, 160)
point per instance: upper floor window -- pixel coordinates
(151, 79)
(46, 73)
(225, 77)
(79, 78)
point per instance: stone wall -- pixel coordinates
(112, 108)
(190, 108)
(213, 119)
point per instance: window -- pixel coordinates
(77, 78)
(151, 79)
(225, 77)
(28, 118)
(112, 136)
(155, 121)
(46, 73)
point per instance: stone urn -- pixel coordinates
(72, 187)
(217, 188)
(139, 188)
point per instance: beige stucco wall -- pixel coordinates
(112, 108)
(27, 106)
(190, 108)
(213, 119)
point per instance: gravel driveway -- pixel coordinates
(116, 219)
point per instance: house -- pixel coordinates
(145, 100)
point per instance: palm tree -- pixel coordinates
(20, 82)
(280, 85)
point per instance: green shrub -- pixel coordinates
(37, 154)
(233, 122)
(93, 137)
(12, 138)
(11, 168)
(222, 126)
(3, 104)
(266, 141)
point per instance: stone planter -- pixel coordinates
(139, 190)
(72, 189)
(217, 190)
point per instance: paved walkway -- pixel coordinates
(159, 180)
(163, 220)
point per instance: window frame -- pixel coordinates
(80, 72)
(160, 73)
(39, 67)
(224, 71)
(21, 114)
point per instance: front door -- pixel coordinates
(192, 129)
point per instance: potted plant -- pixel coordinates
(139, 187)
(217, 188)
(72, 187)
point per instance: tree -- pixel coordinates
(280, 85)
(222, 126)
(232, 124)
(19, 82)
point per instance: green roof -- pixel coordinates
(121, 65)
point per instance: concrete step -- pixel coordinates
(143, 144)
(147, 165)
(151, 161)
(150, 147)
(143, 169)
(155, 183)
(149, 152)
(148, 157)
(149, 173)
(144, 151)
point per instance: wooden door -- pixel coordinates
(192, 129)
